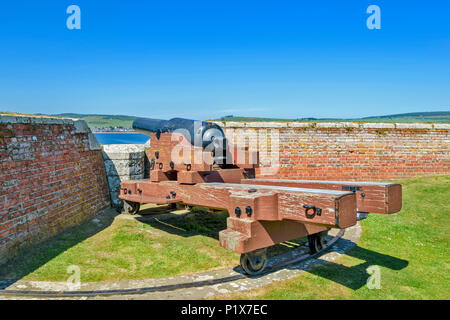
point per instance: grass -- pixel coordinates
(127, 249)
(411, 248)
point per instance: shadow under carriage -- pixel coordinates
(353, 277)
(206, 222)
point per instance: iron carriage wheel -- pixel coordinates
(254, 262)
(317, 241)
(131, 207)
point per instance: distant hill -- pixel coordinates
(439, 116)
(120, 123)
(103, 122)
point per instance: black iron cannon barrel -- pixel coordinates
(145, 126)
(199, 133)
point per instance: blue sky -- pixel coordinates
(206, 59)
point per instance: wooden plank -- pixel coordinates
(374, 197)
(270, 203)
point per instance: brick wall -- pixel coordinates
(52, 177)
(353, 151)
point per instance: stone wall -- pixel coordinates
(354, 151)
(52, 177)
(123, 162)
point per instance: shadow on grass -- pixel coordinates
(33, 257)
(355, 277)
(195, 222)
(201, 222)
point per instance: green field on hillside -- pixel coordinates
(104, 121)
(439, 117)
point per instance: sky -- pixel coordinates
(208, 59)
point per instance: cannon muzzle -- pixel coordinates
(207, 135)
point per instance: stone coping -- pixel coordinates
(16, 118)
(348, 125)
(123, 148)
(80, 125)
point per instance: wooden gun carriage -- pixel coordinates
(192, 163)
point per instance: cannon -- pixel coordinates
(192, 163)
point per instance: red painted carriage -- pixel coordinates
(192, 163)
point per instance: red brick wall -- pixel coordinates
(350, 151)
(52, 177)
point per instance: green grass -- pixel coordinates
(411, 248)
(127, 249)
(131, 248)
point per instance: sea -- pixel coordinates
(121, 138)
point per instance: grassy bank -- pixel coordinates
(127, 247)
(117, 247)
(411, 249)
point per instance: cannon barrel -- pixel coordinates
(199, 133)
(145, 126)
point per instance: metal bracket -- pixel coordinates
(316, 211)
(351, 188)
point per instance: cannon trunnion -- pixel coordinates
(192, 163)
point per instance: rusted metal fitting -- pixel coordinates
(315, 211)
(248, 211)
(152, 164)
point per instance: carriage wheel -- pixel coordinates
(131, 207)
(317, 241)
(254, 262)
